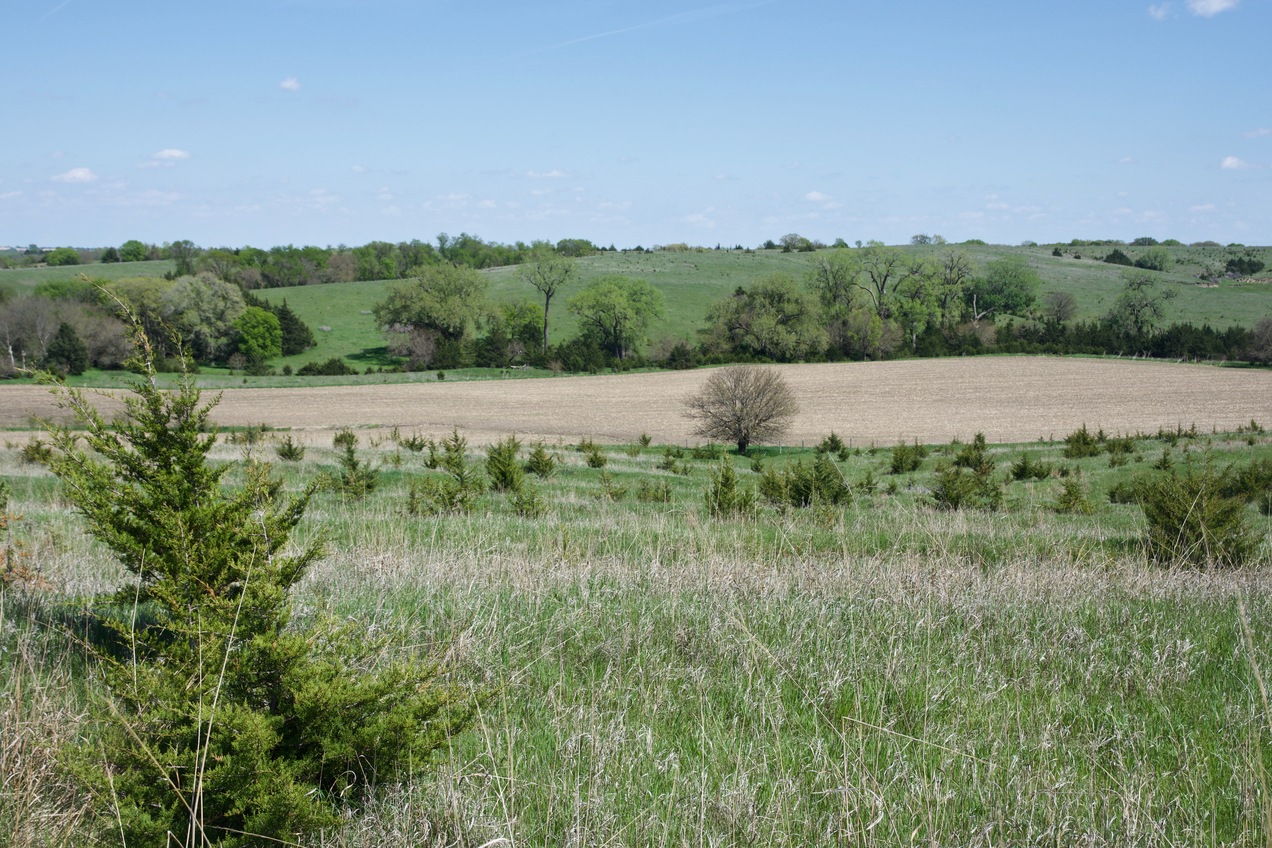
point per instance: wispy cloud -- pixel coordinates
(165, 158)
(817, 197)
(59, 7)
(1210, 8)
(1259, 133)
(678, 19)
(1232, 163)
(554, 174)
(76, 175)
(290, 84)
(689, 16)
(1159, 11)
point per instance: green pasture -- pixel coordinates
(22, 279)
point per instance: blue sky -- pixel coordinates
(333, 121)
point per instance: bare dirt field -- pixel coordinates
(1009, 399)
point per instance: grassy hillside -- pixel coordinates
(20, 279)
(692, 281)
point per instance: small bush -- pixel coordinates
(709, 451)
(1190, 521)
(959, 488)
(653, 491)
(503, 467)
(356, 477)
(527, 502)
(907, 458)
(1027, 468)
(1081, 443)
(802, 485)
(415, 443)
(334, 367)
(975, 456)
(610, 489)
(1072, 499)
(540, 463)
(36, 452)
(289, 450)
(595, 457)
(724, 495)
(672, 460)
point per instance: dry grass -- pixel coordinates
(1010, 399)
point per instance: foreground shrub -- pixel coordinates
(223, 725)
(1192, 522)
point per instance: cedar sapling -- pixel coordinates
(221, 723)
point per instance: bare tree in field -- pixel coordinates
(742, 404)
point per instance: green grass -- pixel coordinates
(18, 279)
(884, 673)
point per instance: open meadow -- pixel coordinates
(873, 668)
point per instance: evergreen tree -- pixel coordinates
(67, 353)
(223, 724)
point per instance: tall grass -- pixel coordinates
(878, 674)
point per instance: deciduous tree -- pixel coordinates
(549, 272)
(619, 309)
(742, 404)
(1007, 286)
(1140, 306)
(774, 319)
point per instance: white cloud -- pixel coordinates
(165, 158)
(700, 219)
(817, 197)
(1204, 207)
(9, 195)
(554, 174)
(76, 175)
(290, 84)
(359, 169)
(1232, 163)
(1210, 8)
(1159, 12)
(1126, 160)
(1259, 133)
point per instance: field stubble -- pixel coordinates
(1009, 399)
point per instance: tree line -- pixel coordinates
(870, 302)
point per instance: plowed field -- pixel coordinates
(1009, 399)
